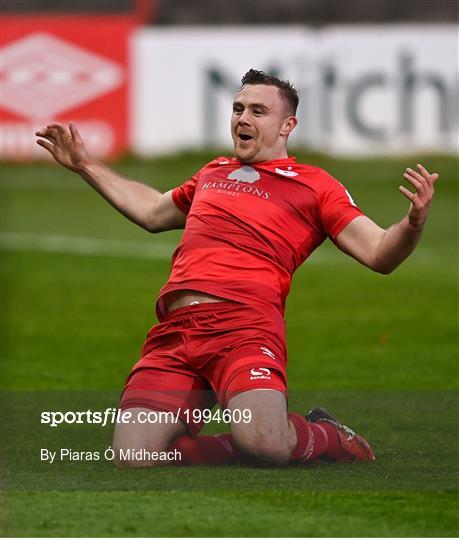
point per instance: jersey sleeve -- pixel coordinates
(183, 195)
(337, 207)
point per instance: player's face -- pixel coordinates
(260, 124)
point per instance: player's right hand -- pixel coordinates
(65, 145)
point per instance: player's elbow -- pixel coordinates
(152, 219)
(385, 271)
(153, 224)
(155, 227)
(383, 267)
(152, 227)
(161, 221)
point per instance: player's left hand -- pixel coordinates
(423, 182)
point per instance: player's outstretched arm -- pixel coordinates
(384, 250)
(141, 204)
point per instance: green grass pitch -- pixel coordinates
(78, 290)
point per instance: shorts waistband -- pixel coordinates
(197, 309)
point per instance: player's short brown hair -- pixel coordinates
(286, 89)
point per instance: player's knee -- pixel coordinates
(134, 450)
(265, 446)
(136, 457)
(123, 458)
(120, 461)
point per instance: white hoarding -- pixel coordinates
(363, 89)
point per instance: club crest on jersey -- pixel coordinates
(244, 174)
(286, 173)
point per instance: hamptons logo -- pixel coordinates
(240, 181)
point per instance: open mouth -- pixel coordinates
(243, 137)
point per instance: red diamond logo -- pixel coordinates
(42, 76)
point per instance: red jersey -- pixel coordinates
(249, 227)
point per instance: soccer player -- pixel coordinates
(250, 221)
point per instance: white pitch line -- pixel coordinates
(100, 247)
(103, 247)
(86, 246)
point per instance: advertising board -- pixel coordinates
(62, 68)
(363, 89)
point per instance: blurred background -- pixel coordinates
(222, 12)
(157, 76)
(150, 85)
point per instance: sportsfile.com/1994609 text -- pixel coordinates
(112, 415)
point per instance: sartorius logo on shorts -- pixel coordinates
(260, 373)
(241, 181)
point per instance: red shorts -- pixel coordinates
(205, 353)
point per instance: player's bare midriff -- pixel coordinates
(186, 297)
